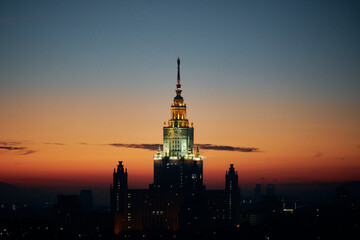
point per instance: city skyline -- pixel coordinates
(271, 88)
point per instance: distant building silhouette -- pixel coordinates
(232, 194)
(270, 189)
(118, 200)
(86, 200)
(257, 193)
(68, 211)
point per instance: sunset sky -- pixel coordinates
(279, 76)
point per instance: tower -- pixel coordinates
(175, 200)
(232, 195)
(177, 168)
(257, 193)
(86, 200)
(118, 198)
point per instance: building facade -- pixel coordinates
(177, 168)
(177, 199)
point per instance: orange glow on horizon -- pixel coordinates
(297, 142)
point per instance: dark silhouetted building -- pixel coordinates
(68, 210)
(270, 189)
(232, 195)
(118, 198)
(257, 193)
(86, 200)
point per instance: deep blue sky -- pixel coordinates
(308, 47)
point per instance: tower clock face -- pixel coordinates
(193, 176)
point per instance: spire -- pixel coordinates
(178, 73)
(178, 85)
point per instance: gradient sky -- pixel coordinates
(280, 76)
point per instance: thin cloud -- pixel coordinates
(27, 152)
(11, 148)
(55, 143)
(139, 146)
(201, 146)
(10, 143)
(317, 155)
(227, 148)
(18, 150)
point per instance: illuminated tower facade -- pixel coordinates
(178, 136)
(177, 200)
(177, 167)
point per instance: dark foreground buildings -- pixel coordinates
(177, 200)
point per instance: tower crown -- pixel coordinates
(178, 136)
(178, 108)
